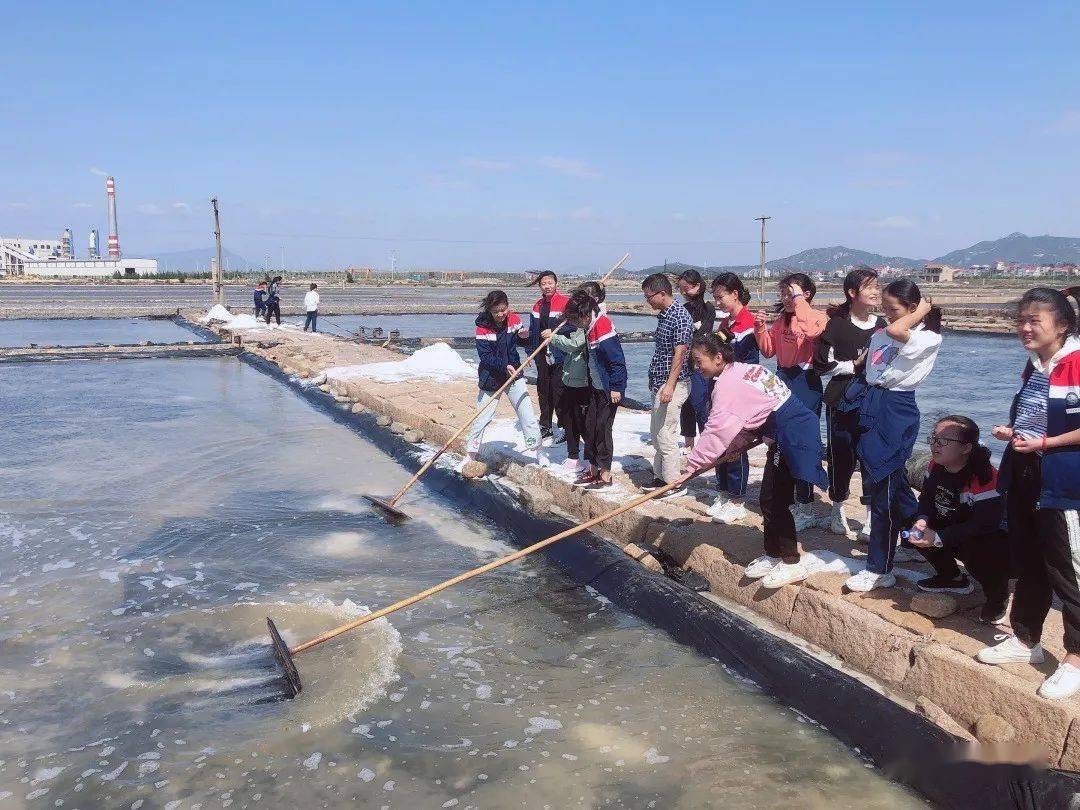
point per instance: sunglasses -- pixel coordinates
(942, 441)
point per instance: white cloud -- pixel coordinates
(151, 209)
(181, 206)
(1068, 123)
(487, 164)
(571, 167)
(98, 172)
(585, 212)
(19, 205)
(893, 221)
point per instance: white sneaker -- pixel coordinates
(572, 465)
(905, 554)
(838, 520)
(867, 580)
(717, 508)
(787, 573)
(1065, 682)
(761, 566)
(1012, 651)
(731, 513)
(864, 532)
(804, 516)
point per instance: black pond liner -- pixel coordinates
(904, 745)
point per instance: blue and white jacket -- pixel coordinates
(496, 346)
(1060, 465)
(605, 355)
(538, 324)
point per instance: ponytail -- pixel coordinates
(493, 299)
(714, 344)
(580, 306)
(907, 292)
(732, 283)
(539, 276)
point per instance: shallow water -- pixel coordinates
(88, 332)
(165, 507)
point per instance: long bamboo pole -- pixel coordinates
(491, 566)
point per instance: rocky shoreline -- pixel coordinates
(917, 648)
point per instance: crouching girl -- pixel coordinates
(751, 404)
(499, 332)
(960, 518)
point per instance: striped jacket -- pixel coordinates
(741, 330)
(538, 324)
(1060, 465)
(605, 354)
(496, 346)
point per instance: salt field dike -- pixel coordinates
(169, 483)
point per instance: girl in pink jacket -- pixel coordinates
(751, 404)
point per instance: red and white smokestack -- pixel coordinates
(114, 238)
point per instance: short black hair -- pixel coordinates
(656, 283)
(314, 285)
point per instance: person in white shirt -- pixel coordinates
(899, 357)
(311, 305)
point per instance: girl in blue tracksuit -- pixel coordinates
(736, 322)
(898, 359)
(606, 373)
(1040, 476)
(499, 332)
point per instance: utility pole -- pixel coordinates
(393, 264)
(761, 268)
(283, 260)
(219, 288)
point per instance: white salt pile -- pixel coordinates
(437, 362)
(236, 323)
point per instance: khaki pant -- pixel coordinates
(665, 432)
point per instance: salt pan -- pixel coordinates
(437, 362)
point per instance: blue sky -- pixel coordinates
(560, 135)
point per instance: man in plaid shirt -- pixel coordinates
(669, 378)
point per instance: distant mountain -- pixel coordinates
(199, 259)
(1016, 247)
(822, 259)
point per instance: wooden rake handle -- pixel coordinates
(491, 566)
(517, 372)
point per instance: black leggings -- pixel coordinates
(777, 495)
(840, 431)
(549, 392)
(599, 420)
(273, 310)
(575, 403)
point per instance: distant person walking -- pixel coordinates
(273, 300)
(311, 306)
(260, 300)
(669, 379)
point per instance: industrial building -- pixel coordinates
(22, 256)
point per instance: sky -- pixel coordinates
(523, 135)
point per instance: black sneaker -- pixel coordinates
(993, 613)
(938, 584)
(656, 483)
(545, 433)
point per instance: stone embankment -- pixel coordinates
(919, 649)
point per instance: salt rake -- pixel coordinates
(389, 507)
(285, 654)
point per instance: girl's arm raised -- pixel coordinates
(900, 329)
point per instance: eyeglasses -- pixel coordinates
(935, 441)
(649, 295)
